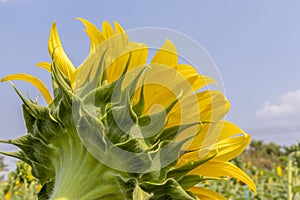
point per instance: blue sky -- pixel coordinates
(255, 44)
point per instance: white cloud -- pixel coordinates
(286, 113)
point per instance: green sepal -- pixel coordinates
(35, 153)
(34, 148)
(139, 194)
(44, 128)
(139, 106)
(132, 145)
(64, 114)
(119, 122)
(39, 171)
(35, 110)
(168, 190)
(189, 181)
(152, 125)
(172, 132)
(63, 83)
(98, 98)
(165, 156)
(158, 176)
(180, 172)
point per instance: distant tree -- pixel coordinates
(264, 155)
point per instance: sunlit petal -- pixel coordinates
(231, 147)
(93, 32)
(107, 30)
(118, 28)
(166, 55)
(196, 80)
(226, 149)
(44, 65)
(58, 54)
(205, 194)
(218, 169)
(34, 81)
(223, 129)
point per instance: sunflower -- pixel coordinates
(117, 127)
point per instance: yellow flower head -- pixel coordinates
(248, 165)
(152, 125)
(279, 170)
(261, 173)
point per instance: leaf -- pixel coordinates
(170, 189)
(296, 189)
(189, 181)
(139, 194)
(181, 171)
(206, 194)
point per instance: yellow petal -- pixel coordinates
(205, 194)
(231, 147)
(93, 32)
(137, 52)
(116, 66)
(161, 86)
(107, 30)
(120, 33)
(154, 95)
(118, 28)
(218, 169)
(58, 54)
(194, 156)
(213, 105)
(166, 55)
(220, 130)
(206, 106)
(34, 81)
(196, 80)
(44, 65)
(226, 149)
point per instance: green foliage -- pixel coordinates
(20, 184)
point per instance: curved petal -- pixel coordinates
(217, 169)
(222, 130)
(162, 87)
(137, 52)
(213, 105)
(226, 149)
(205, 194)
(196, 80)
(34, 81)
(166, 55)
(44, 65)
(93, 32)
(58, 54)
(107, 30)
(231, 147)
(207, 106)
(118, 28)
